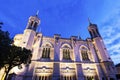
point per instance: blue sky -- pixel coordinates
(66, 17)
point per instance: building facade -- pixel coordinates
(118, 71)
(57, 58)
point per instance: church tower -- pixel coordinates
(98, 43)
(93, 30)
(57, 58)
(106, 64)
(30, 31)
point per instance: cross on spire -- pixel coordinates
(37, 12)
(89, 21)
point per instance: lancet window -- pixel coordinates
(46, 51)
(66, 54)
(89, 78)
(68, 77)
(43, 77)
(84, 54)
(32, 23)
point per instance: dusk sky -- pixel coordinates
(66, 17)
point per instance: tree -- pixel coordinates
(10, 55)
(4, 44)
(5, 40)
(16, 57)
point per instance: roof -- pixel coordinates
(118, 65)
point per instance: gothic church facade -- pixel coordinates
(57, 58)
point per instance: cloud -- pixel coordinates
(112, 37)
(111, 34)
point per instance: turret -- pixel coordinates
(30, 31)
(93, 30)
(98, 43)
(33, 22)
(103, 57)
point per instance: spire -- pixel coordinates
(37, 12)
(93, 30)
(89, 21)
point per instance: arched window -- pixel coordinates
(43, 77)
(89, 78)
(46, 51)
(91, 34)
(66, 53)
(35, 25)
(68, 77)
(95, 34)
(31, 23)
(84, 54)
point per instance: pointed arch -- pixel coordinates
(66, 51)
(46, 49)
(65, 44)
(84, 53)
(83, 46)
(47, 44)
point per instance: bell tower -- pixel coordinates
(104, 59)
(98, 43)
(30, 31)
(93, 30)
(33, 22)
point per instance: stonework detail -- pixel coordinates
(57, 58)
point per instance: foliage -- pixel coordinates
(4, 44)
(4, 37)
(10, 55)
(16, 57)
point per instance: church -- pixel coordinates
(57, 58)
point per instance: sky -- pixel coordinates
(66, 17)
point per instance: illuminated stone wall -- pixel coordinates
(57, 58)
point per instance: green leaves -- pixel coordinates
(4, 37)
(10, 55)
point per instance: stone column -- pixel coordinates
(56, 72)
(100, 72)
(79, 72)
